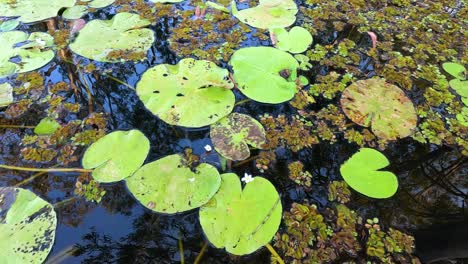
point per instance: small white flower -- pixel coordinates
(191, 179)
(40, 41)
(247, 178)
(208, 148)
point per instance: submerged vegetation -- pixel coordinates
(176, 99)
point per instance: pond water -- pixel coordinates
(118, 229)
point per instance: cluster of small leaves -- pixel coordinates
(147, 10)
(298, 175)
(213, 37)
(339, 191)
(336, 234)
(89, 189)
(292, 132)
(413, 40)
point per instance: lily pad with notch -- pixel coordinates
(124, 33)
(232, 135)
(382, 106)
(268, 14)
(117, 155)
(362, 173)
(297, 40)
(27, 226)
(169, 185)
(193, 93)
(265, 74)
(29, 11)
(242, 221)
(78, 11)
(20, 52)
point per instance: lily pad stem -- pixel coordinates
(15, 126)
(120, 81)
(242, 102)
(34, 176)
(43, 169)
(200, 255)
(181, 249)
(274, 253)
(58, 204)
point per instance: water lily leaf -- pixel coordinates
(6, 94)
(22, 53)
(123, 33)
(239, 220)
(166, 1)
(461, 87)
(117, 155)
(382, 106)
(232, 135)
(46, 126)
(9, 25)
(169, 186)
(265, 74)
(454, 69)
(75, 12)
(27, 226)
(32, 10)
(193, 93)
(297, 40)
(100, 3)
(361, 172)
(268, 14)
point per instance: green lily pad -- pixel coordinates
(461, 87)
(265, 74)
(169, 186)
(30, 11)
(193, 93)
(361, 172)
(232, 135)
(382, 106)
(33, 54)
(9, 25)
(117, 155)
(46, 126)
(241, 221)
(297, 40)
(27, 226)
(100, 3)
(268, 14)
(75, 12)
(6, 94)
(123, 33)
(455, 69)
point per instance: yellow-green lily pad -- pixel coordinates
(117, 155)
(168, 185)
(32, 10)
(193, 93)
(6, 94)
(232, 135)
(241, 221)
(27, 226)
(268, 14)
(382, 106)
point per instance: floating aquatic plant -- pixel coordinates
(362, 173)
(27, 226)
(117, 155)
(81, 9)
(21, 52)
(297, 40)
(46, 126)
(241, 221)
(232, 135)
(380, 105)
(6, 94)
(265, 74)
(168, 185)
(29, 11)
(121, 38)
(184, 87)
(268, 14)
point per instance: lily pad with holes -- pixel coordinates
(297, 40)
(241, 221)
(6, 94)
(265, 74)
(382, 106)
(124, 33)
(30, 11)
(117, 155)
(193, 93)
(232, 135)
(46, 126)
(27, 226)
(362, 173)
(268, 14)
(168, 185)
(20, 52)
(455, 69)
